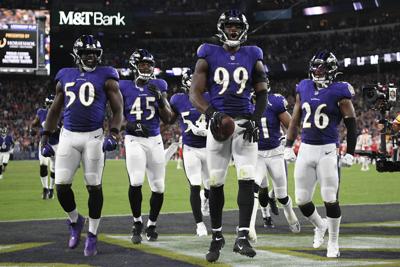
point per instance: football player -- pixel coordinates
(6, 146)
(364, 142)
(144, 104)
(270, 160)
(321, 103)
(83, 92)
(39, 121)
(193, 127)
(230, 72)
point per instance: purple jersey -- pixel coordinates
(230, 77)
(320, 114)
(84, 97)
(140, 104)
(189, 114)
(6, 143)
(54, 137)
(270, 128)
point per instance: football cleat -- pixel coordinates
(1, 176)
(90, 245)
(45, 193)
(242, 245)
(201, 229)
(137, 232)
(75, 230)
(319, 234)
(151, 233)
(217, 243)
(268, 223)
(50, 194)
(333, 250)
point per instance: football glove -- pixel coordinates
(46, 150)
(215, 123)
(346, 160)
(251, 132)
(137, 129)
(110, 143)
(155, 91)
(197, 130)
(289, 155)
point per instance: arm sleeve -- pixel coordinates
(351, 134)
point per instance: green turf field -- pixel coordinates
(20, 190)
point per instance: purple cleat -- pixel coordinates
(75, 230)
(90, 245)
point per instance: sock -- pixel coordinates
(206, 193)
(52, 180)
(73, 215)
(44, 181)
(265, 212)
(245, 201)
(333, 229)
(138, 219)
(254, 212)
(135, 200)
(195, 203)
(316, 219)
(93, 225)
(216, 202)
(151, 223)
(95, 202)
(263, 196)
(156, 201)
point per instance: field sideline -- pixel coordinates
(20, 190)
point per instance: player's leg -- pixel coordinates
(245, 155)
(1, 166)
(43, 163)
(68, 158)
(136, 166)
(6, 158)
(218, 155)
(205, 193)
(305, 178)
(328, 174)
(156, 177)
(192, 166)
(52, 162)
(277, 169)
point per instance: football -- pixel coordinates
(226, 129)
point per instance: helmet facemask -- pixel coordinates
(227, 23)
(323, 69)
(138, 61)
(187, 80)
(87, 53)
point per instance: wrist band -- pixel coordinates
(289, 143)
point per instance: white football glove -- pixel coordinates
(347, 160)
(289, 155)
(197, 130)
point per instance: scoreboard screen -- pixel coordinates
(24, 42)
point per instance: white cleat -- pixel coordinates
(295, 228)
(1, 176)
(319, 234)
(333, 250)
(252, 235)
(201, 229)
(205, 207)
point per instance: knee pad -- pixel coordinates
(43, 171)
(216, 178)
(195, 180)
(157, 186)
(136, 178)
(333, 210)
(280, 192)
(94, 188)
(329, 194)
(302, 197)
(307, 209)
(246, 172)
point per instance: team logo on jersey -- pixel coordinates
(232, 57)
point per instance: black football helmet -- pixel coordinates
(323, 68)
(87, 52)
(187, 79)
(138, 56)
(3, 131)
(232, 17)
(49, 100)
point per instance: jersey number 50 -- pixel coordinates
(86, 93)
(240, 76)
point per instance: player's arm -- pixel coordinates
(285, 119)
(349, 118)
(164, 109)
(174, 115)
(54, 111)
(294, 123)
(261, 86)
(198, 87)
(35, 123)
(116, 103)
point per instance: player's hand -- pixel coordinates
(46, 150)
(137, 129)
(251, 132)
(215, 122)
(347, 160)
(289, 155)
(155, 91)
(197, 130)
(110, 143)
